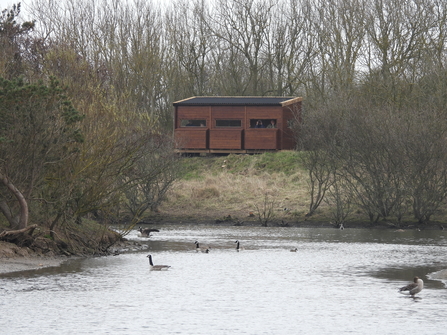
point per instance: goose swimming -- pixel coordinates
(157, 267)
(203, 249)
(413, 288)
(293, 250)
(238, 247)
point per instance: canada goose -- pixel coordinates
(341, 227)
(294, 250)
(157, 267)
(413, 288)
(146, 232)
(203, 249)
(238, 247)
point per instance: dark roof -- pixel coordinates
(237, 101)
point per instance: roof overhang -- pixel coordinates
(237, 101)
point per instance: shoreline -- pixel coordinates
(16, 259)
(161, 219)
(29, 263)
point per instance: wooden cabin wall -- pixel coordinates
(196, 138)
(264, 112)
(288, 141)
(226, 139)
(227, 113)
(262, 139)
(192, 112)
(192, 137)
(215, 138)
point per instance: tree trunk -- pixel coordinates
(22, 237)
(23, 215)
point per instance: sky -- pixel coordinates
(8, 3)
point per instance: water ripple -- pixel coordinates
(336, 283)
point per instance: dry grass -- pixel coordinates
(237, 185)
(221, 194)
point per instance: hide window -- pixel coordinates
(193, 123)
(263, 123)
(229, 123)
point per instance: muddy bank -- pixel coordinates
(29, 263)
(14, 258)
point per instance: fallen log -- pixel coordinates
(21, 237)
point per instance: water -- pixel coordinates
(338, 282)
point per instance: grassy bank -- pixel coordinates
(237, 185)
(246, 187)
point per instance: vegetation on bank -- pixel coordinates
(286, 162)
(213, 188)
(58, 171)
(271, 189)
(220, 186)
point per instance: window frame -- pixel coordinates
(229, 125)
(196, 123)
(265, 123)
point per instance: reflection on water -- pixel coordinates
(337, 282)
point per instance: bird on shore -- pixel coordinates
(156, 267)
(238, 247)
(146, 232)
(294, 250)
(415, 287)
(205, 249)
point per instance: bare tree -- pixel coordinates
(151, 177)
(372, 74)
(243, 27)
(289, 50)
(342, 31)
(340, 201)
(397, 32)
(426, 174)
(192, 42)
(321, 178)
(266, 210)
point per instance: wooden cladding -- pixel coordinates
(191, 138)
(227, 123)
(226, 139)
(267, 139)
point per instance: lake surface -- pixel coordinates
(338, 282)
